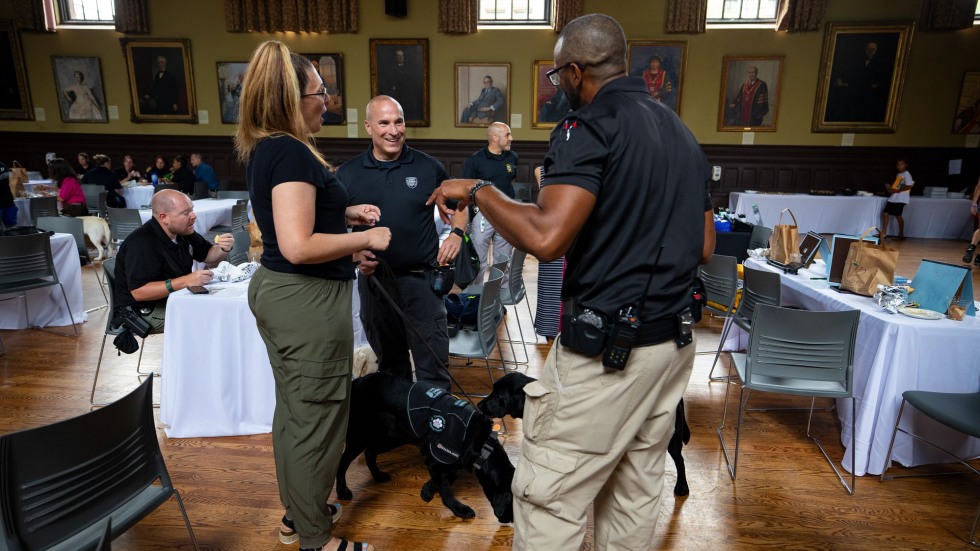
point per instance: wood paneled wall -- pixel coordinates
(787, 169)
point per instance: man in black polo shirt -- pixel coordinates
(624, 199)
(399, 180)
(498, 164)
(157, 258)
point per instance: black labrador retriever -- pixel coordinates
(382, 419)
(508, 396)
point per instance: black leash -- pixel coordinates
(410, 324)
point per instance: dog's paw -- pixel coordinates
(428, 491)
(463, 511)
(681, 489)
(344, 494)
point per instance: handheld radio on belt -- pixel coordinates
(626, 327)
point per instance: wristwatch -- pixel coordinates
(459, 232)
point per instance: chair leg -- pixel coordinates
(731, 462)
(729, 321)
(891, 444)
(973, 532)
(102, 285)
(95, 381)
(187, 522)
(850, 489)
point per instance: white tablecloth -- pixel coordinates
(924, 216)
(137, 196)
(216, 377)
(47, 305)
(210, 213)
(894, 353)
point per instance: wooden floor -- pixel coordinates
(786, 497)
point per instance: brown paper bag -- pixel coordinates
(785, 240)
(868, 265)
(18, 177)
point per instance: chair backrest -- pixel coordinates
(61, 482)
(161, 187)
(224, 185)
(66, 224)
(489, 317)
(720, 277)
(26, 262)
(239, 217)
(103, 205)
(515, 291)
(760, 237)
(123, 222)
(43, 206)
(92, 192)
(201, 190)
(239, 251)
(802, 348)
(761, 287)
(227, 194)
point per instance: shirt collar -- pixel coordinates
(407, 156)
(160, 234)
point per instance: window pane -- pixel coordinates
(742, 11)
(515, 12)
(92, 11)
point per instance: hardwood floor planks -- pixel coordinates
(785, 497)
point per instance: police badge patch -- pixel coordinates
(412, 182)
(510, 168)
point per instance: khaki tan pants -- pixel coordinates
(593, 435)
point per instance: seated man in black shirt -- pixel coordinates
(157, 259)
(181, 174)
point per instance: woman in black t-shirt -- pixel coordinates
(301, 297)
(102, 176)
(182, 175)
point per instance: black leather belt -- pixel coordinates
(651, 332)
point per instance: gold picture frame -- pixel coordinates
(400, 69)
(161, 79)
(550, 103)
(750, 88)
(15, 102)
(966, 119)
(862, 71)
(482, 94)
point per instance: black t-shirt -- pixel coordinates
(648, 174)
(104, 177)
(148, 255)
(286, 159)
(500, 169)
(184, 179)
(400, 189)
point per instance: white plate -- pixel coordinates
(751, 191)
(921, 313)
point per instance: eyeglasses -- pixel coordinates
(553, 74)
(322, 93)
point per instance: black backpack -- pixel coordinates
(461, 311)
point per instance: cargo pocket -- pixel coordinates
(537, 414)
(541, 476)
(324, 381)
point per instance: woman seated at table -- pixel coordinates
(71, 199)
(102, 175)
(159, 167)
(181, 175)
(127, 172)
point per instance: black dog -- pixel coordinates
(508, 396)
(379, 422)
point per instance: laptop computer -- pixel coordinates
(808, 251)
(839, 247)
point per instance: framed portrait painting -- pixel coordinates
(482, 93)
(81, 94)
(660, 63)
(550, 103)
(161, 79)
(862, 71)
(967, 117)
(750, 87)
(400, 69)
(331, 69)
(15, 96)
(230, 77)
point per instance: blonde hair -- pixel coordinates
(270, 101)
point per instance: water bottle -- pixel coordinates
(155, 179)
